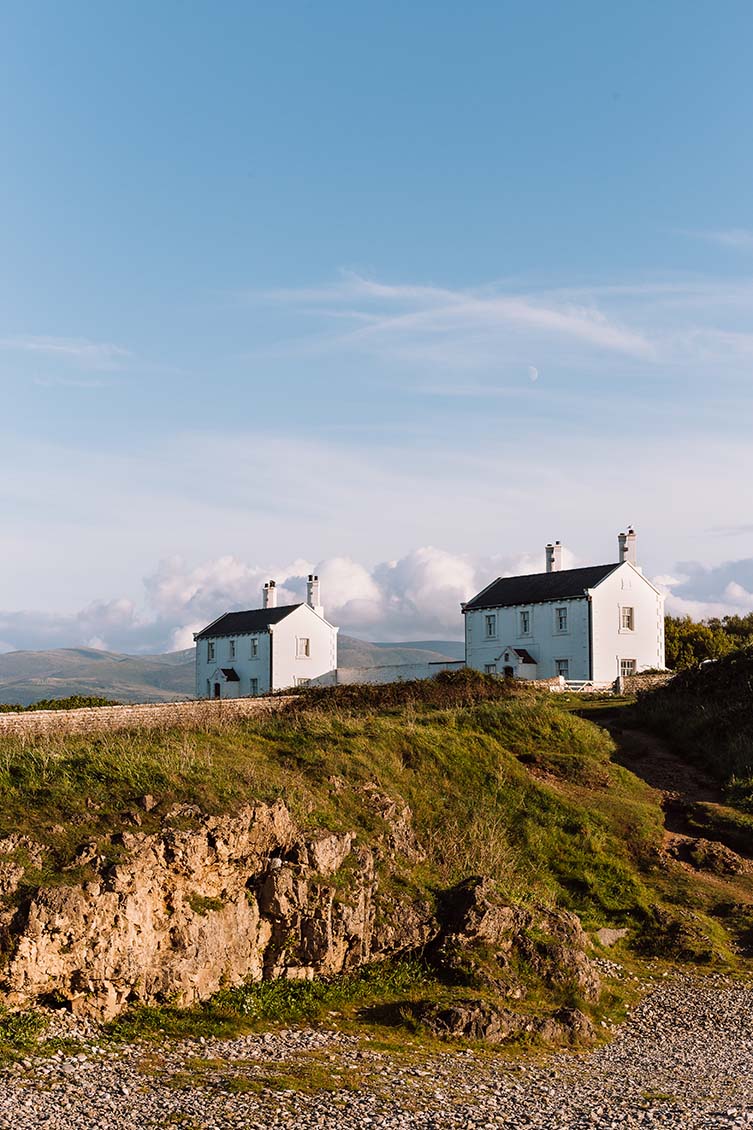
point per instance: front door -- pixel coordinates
(217, 690)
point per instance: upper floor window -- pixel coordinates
(627, 619)
(231, 649)
(254, 647)
(210, 650)
(304, 647)
(560, 619)
(490, 626)
(525, 623)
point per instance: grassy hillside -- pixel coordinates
(501, 782)
(706, 713)
(512, 787)
(27, 676)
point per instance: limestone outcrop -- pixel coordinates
(209, 902)
(194, 908)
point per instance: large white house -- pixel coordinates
(590, 624)
(266, 649)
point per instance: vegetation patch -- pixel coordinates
(203, 904)
(706, 714)
(73, 702)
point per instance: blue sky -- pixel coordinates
(287, 285)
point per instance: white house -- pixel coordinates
(265, 649)
(590, 624)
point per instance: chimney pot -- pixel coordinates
(312, 594)
(553, 557)
(627, 547)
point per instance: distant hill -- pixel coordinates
(27, 676)
(446, 649)
(361, 653)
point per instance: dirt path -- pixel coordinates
(682, 785)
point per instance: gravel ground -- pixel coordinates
(684, 1060)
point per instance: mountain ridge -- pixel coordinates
(28, 676)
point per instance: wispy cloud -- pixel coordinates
(740, 239)
(71, 382)
(406, 314)
(92, 353)
(651, 326)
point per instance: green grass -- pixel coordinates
(281, 1001)
(706, 714)
(73, 702)
(514, 786)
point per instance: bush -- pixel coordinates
(73, 702)
(706, 712)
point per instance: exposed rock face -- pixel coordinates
(209, 902)
(486, 938)
(708, 855)
(191, 910)
(479, 1020)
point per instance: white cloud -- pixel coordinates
(91, 353)
(396, 317)
(416, 596)
(740, 239)
(648, 326)
(703, 592)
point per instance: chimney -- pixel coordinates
(269, 598)
(553, 557)
(312, 594)
(627, 547)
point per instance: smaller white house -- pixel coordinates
(590, 624)
(266, 649)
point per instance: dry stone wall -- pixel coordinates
(159, 715)
(634, 684)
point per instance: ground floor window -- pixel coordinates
(562, 667)
(254, 687)
(627, 666)
(491, 668)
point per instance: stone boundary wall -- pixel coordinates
(634, 684)
(392, 672)
(149, 716)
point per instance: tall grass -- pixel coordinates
(514, 788)
(707, 714)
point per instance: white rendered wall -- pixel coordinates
(288, 667)
(388, 673)
(626, 587)
(544, 642)
(277, 664)
(247, 667)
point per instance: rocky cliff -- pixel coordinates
(211, 901)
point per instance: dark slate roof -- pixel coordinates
(231, 674)
(537, 588)
(241, 623)
(524, 655)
